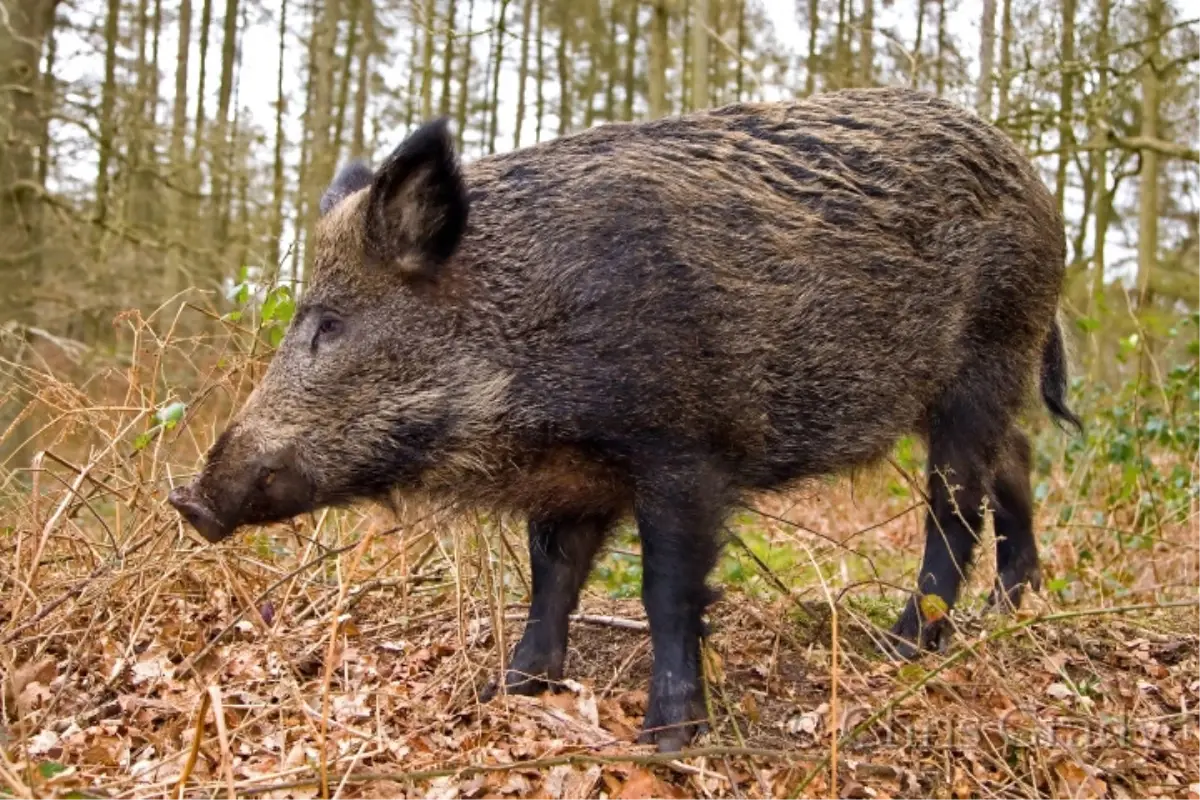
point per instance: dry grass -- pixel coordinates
(342, 655)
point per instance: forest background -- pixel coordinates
(160, 167)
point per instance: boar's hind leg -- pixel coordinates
(1016, 548)
(679, 513)
(561, 550)
(958, 472)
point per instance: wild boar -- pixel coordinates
(659, 319)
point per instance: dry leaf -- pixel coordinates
(641, 784)
(1075, 781)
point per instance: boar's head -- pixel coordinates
(365, 389)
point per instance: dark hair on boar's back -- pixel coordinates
(658, 319)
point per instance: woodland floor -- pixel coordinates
(187, 670)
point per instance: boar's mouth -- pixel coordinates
(231, 493)
(197, 513)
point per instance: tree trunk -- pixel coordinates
(523, 69)
(610, 64)
(300, 204)
(447, 60)
(940, 75)
(595, 51)
(357, 144)
(21, 42)
(700, 55)
(916, 63)
(410, 94)
(685, 71)
(1004, 87)
(277, 181)
(840, 55)
(427, 60)
(539, 90)
(140, 208)
(155, 76)
(500, 34)
(716, 56)
(658, 60)
(47, 99)
(198, 143)
(108, 99)
(987, 59)
(740, 79)
(814, 25)
(179, 104)
(321, 168)
(631, 51)
(21, 39)
(564, 79)
(1066, 103)
(866, 45)
(464, 91)
(1148, 176)
(220, 144)
(1100, 114)
(342, 100)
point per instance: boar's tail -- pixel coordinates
(1054, 379)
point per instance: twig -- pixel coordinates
(194, 751)
(331, 652)
(214, 692)
(612, 622)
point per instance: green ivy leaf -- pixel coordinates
(1057, 584)
(279, 305)
(169, 415)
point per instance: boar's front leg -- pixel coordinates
(561, 550)
(679, 513)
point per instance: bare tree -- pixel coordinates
(108, 102)
(321, 164)
(700, 54)
(659, 55)
(501, 30)
(866, 44)
(277, 178)
(523, 68)
(1149, 175)
(811, 64)
(21, 41)
(987, 58)
(447, 60)
(1066, 102)
(631, 55)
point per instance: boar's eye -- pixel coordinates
(328, 328)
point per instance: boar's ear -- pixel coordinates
(417, 208)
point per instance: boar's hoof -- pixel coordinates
(516, 683)
(1010, 589)
(673, 718)
(911, 635)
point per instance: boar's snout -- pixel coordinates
(197, 513)
(243, 485)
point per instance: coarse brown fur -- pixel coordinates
(659, 318)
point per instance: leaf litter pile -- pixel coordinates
(343, 654)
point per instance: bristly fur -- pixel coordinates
(351, 178)
(659, 318)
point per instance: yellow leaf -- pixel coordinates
(933, 607)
